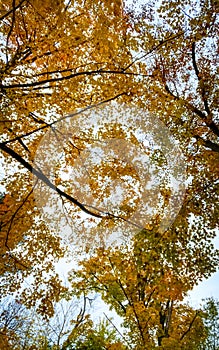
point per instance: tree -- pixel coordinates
(145, 284)
(182, 59)
(40, 60)
(16, 326)
(211, 320)
(97, 338)
(24, 329)
(81, 55)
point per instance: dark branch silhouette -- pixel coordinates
(45, 179)
(70, 76)
(203, 92)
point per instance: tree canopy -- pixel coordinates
(62, 63)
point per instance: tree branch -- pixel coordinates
(73, 75)
(208, 144)
(107, 289)
(130, 302)
(70, 115)
(203, 93)
(190, 326)
(117, 330)
(12, 10)
(154, 48)
(101, 214)
(45, 179)
(209, 122)
(13, 217)
(11, 29)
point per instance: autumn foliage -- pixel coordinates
(60, 59)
